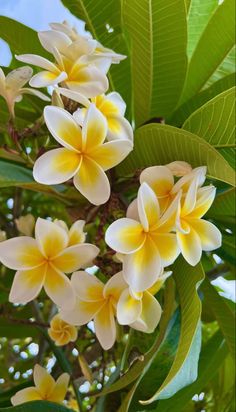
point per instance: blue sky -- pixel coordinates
(36, 14)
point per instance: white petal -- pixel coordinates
(115, 286)
(51, 38)
(125, 235)
(73, 95)
(56, 166)
(95, 82)
(75, 257)
(159, 178)
(82, 312)
(116, 98)
(27, 90)
(94, 129)
(38, 61)
(51, 238)
(132, 211)
(27, 285)
(87, 287)
(47, 78)
(148, 207)
(18, 77)
(92, 182)
(25, 395)
(20, 253)
(105, 327)
(128, 308)
(63, 127)
(58, 288)
(142, 268)
(190, 246)
(150, 316)
(119, 128)
(210, 236)
(111, 154)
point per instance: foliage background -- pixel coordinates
(194, 91)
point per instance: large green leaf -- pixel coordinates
(21, 38)
(211, 358)
(103, 20)
(185, 365)
(184, 111)
(215, 43)
(158, 35)
(199, 15)
(226, 67)
(37, 406)
(224, 206)
(223, 313)
(157, 144)
(215, 121)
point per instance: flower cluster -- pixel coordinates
(164, 221)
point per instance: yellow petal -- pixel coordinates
(105, 327)
(51, 238)
(26, 253)
(76, 233)
(63, 127)
(87, 287)
(142, 268)
(92, 182)
(190, 246)
(111, 154)
(56, 166)
(27, 284)
(148, 207)
(159, 178)
(128, 308)
(125, 235)
(44, 382)
(205, 198)
(60, 389)
(208, 233)
(82, 312)
(58, 287)
(114, 287)
(167, 246)
(25, 395)
(150, 315)
(75, 257)
(94, 128)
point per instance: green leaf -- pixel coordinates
(215, 121)
(211, 358)
(37, 406)
(226, 67)
(103, 20)
(184, 111)
(157, 144)
(199, 15)
(224, 315)
(21, 38)
(158, 36)
(224, 206)
(215, 43)
(185, 365)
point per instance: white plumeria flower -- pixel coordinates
(99, 51)
(112, 106)
(161, 180)
(84, 155)
(74, 71)
(11, 87)
(193, 233)
(46, 388)
(76, 232)
(43, 261)
(145, 240)
(140, 310)
(62, 332)
(96, 301)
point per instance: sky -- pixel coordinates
(36, 14)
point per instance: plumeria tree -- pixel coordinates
(117, 210)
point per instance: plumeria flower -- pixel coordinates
(76, 72)
(145, 239)
(96, 301)
(140, 310)
(62, 332)
(46, 388)
(84, 155)
(161, 180)
(43, 261)
(193, 233)
(76, 232)
(25, 224)
(99, 50)
(12, 87)
(112, 107)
